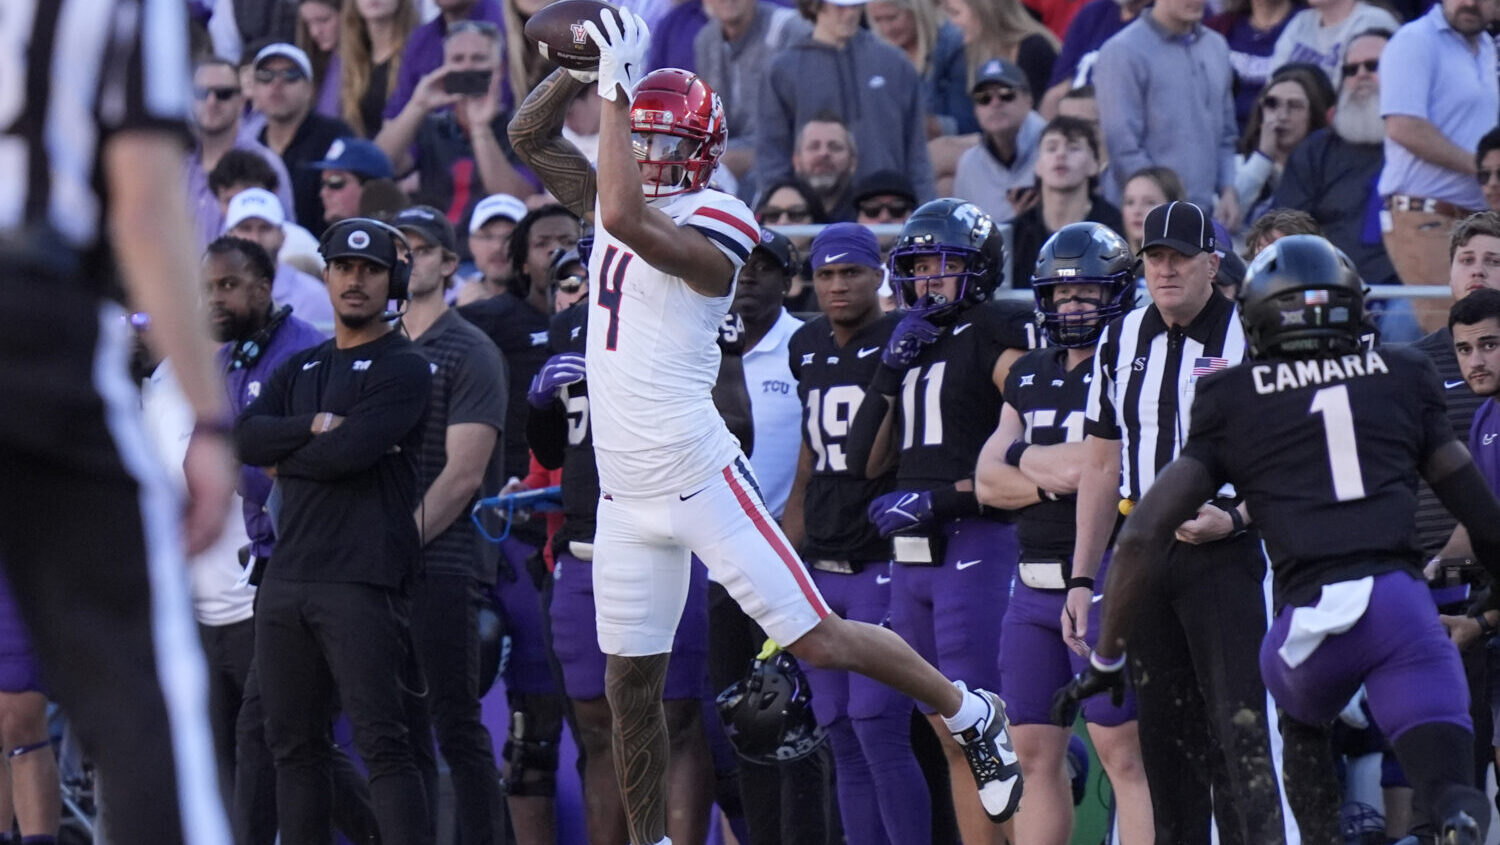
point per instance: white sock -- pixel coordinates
(970, 712)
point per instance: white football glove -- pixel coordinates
(622, 52)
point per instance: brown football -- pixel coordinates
(558, 32)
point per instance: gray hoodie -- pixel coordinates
(869, 84)
(1166, 99)
(737, 69)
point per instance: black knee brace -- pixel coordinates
(531, 745)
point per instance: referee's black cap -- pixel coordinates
(359, 237)
(1180, 225)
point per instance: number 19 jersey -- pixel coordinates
(653, 356)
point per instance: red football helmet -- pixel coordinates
(677, 122)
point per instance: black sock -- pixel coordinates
(1437, 758)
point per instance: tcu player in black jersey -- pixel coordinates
(1084, 278)
(933, 400)
(1325, 440)
(833, 357)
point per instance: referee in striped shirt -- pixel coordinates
(1195, 650)
(93, 108)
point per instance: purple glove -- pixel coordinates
(910, 335)
(560, 371)
(900, 511)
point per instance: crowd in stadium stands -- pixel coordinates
(1375, 123)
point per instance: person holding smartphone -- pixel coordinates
(452, 130)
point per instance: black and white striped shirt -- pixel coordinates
(72, 73)
(1145, 376)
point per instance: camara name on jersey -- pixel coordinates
(1291, 375)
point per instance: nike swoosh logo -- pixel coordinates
(310, 364)
(1488, 439)
(1097, 599)
(690, 495)
(882, 579)
(865, 353)
(960, 330)
(627, 70)
(965, 564)
(829, 259)
(1452, 384)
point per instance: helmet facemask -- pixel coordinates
(956, 262)
(1074, 329)
(668, 161)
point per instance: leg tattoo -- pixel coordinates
(641, 747)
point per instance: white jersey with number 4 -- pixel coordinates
(653, 356)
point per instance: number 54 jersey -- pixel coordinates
(1326, 452)
(831, 383)
(653, 356)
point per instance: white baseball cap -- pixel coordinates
(254, 202)
(286, 51)
(496, 205)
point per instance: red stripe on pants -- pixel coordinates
(787, 556)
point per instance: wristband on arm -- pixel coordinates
(887, 380)
(1233, 509)
(949, 502)
(1104, 664)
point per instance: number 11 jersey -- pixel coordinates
(653, 356)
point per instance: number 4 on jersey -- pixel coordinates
(611, 290)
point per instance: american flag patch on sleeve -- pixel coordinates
(1208, 366)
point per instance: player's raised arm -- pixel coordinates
(536, 136)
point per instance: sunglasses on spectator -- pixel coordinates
(1275, 103)
(335, 183)
(794, 214)
(571, 284)
(1484, 176)
(1370, 66)
(288, 75)
(482, 27)
(895, 208)
(1005, 95)
(223, 95)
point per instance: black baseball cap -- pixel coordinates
(881, 182)
(1180, 225)
(428, 222)
(779, 247)
(360, 237)
(1000, 72)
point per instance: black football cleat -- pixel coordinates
(1460, 829)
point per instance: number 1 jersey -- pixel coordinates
(1326, 453)
(653, 356)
